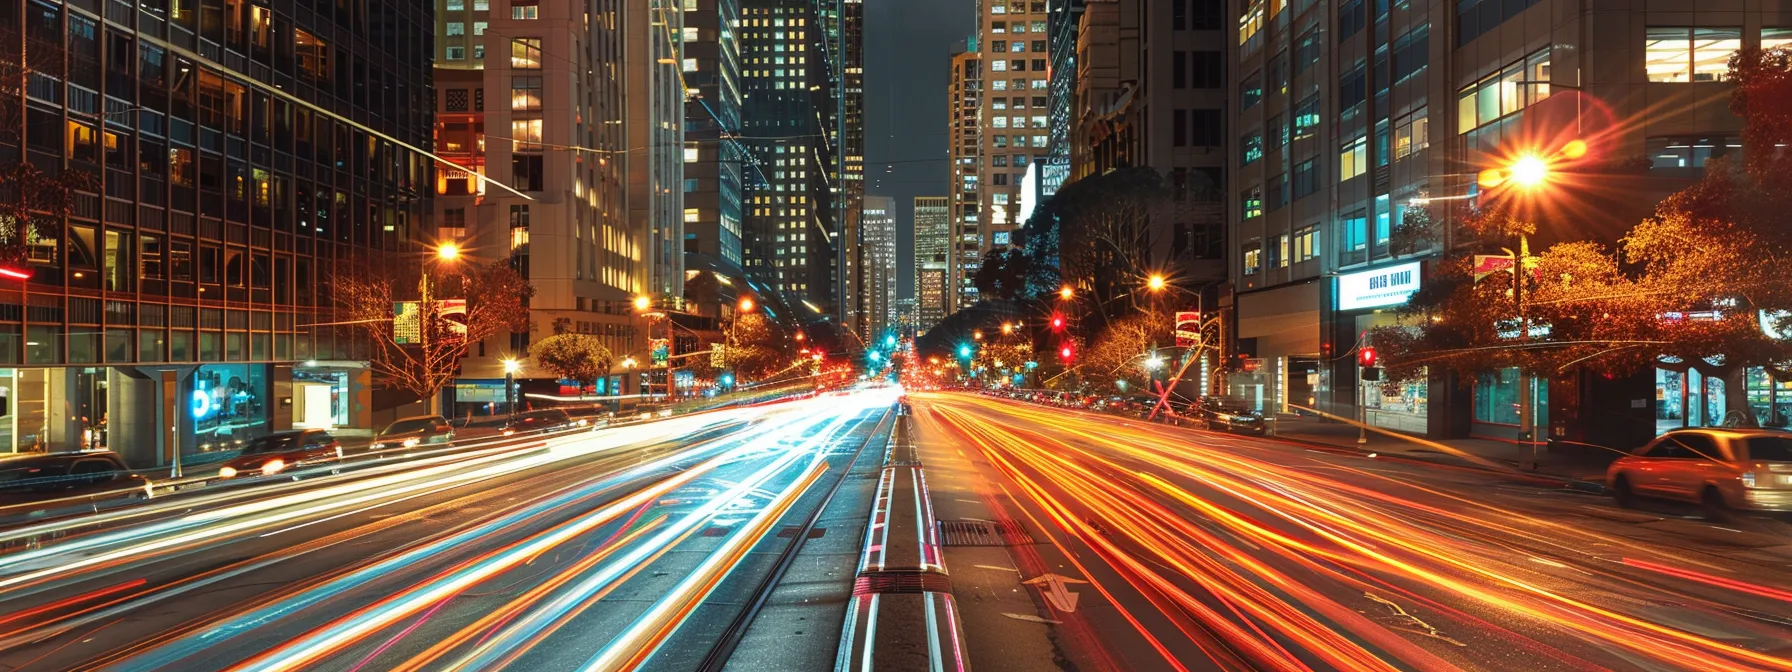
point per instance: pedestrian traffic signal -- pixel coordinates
(1366, 356)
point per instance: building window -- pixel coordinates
(525, 93)
(1250, 202)
(1412, 51)
(525, 53)
(1278, 191)
(1250, 148)
(1689, 54)
(1773, 38)
(1682, 152)
(523, 12)
(455, 28)
(1353, 158)
(1250, 91)
(998, 46)
(1353, 237)
(1306, 179)
(1278, 252)
(1206, 70)
(1306, 50)
(1353, 89)
(1306, 242)
(1411, 134)
(479, 27)
(1253, 258)
(1306, 117)
(456, 53)
(1518, 85)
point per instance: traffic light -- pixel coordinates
(964, 352)
(1057, 323)
(1066, 353)
(1366, 357)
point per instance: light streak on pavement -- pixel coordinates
(504, 558)
(1214, 551)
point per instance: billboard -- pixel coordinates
(660, 350)
(407, 320)
(1388, 286)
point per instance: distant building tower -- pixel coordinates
(878, 286)
(932, 226)
(964, 233)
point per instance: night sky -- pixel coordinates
(908, 47)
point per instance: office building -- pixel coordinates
(1014, 112)
(933, 233)
(237, 161)
(568, 148)
(1062, 19)
(714, 157)
(654, 94)
(965, 150)
(1338, 142)
(878, 257)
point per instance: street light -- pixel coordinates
(1156, 283)
(511, 366)
(977, 335)
(1066, 293)
(643, 303)
(1529, 171)
(746, 304)
(448, 251)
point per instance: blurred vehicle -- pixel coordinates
(421, 430)
(1719, 469)
(539, 421)
(282, 451)
(1226, 414)
(29, 478)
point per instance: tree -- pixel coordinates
(1003, 274)
(1001, 358)
(581, 358)
(757, 347)
(424, 358)
(1121, 350)
(34, 199)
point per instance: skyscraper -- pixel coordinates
(1014, 111)
(879, 263)
(793, 242)
(965, 149)
(933, 233)
(238, 162)
(654, 97)
(713, 154)
(566, 147)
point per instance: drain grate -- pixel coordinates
(984, 533)
(903, 582)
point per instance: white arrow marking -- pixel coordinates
(1052, 588)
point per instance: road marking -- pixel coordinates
(1053, 588)
(1030, 618)
(998, 568)
(970, 501)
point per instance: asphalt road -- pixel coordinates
(593, 550)
(1158, 548)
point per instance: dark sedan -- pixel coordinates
(36, 477)
(282, 451)
(1223, 414)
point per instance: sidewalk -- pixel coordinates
(1582, 473)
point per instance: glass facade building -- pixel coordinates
(233, 158)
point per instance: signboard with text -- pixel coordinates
(1188, 328)
(1389, 286)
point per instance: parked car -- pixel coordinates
(546, 419)
(421, 430)
(29, 478)
(1225, 414)
(1720, 469)
(282, 451)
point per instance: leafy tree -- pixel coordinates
(496, 300)
(756, 347)
(1119, 352)
(1003, 274)
(581, 358)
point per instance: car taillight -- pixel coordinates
(272, 467)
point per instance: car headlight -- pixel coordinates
(227, 472)
(411, 442)
(377, 446)
(1748, 479)
(273, 467)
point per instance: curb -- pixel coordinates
(1565, 482)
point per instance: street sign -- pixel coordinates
(1188, 328)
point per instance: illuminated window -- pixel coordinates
(1353, 158)
(525, 53)
(525, 93)
(1689, 54)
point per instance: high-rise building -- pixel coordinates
(566, 147)
(878, 288)
(1338, 144)
(1015, 109)
(238, 161)
(714, 157)
(1061, 24)
(965, 149)
(793, 241)
(654, 95)
(933, 233)
(846, 80)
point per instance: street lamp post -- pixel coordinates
(511, 367)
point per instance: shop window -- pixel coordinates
(1498, 398)
(228, 405)
(83, 345)
(43, 345)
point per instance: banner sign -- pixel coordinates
(661, 350)
(1188, 328)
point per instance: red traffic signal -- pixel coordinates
(1366, 356)
(1057, 323)
(1067, 353)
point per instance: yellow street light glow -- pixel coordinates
(511, 365)
(448, 252)
(1066, 292)
(746, 304)
(1156, 283)
(1007, 327)
(1529, 171)
(643, 303)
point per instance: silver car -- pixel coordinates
(1720, 469)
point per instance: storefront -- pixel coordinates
(1685, 397)
(1278, 348)
(1499, 401)
(1365, 301)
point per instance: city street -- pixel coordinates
(587, 551)
(1134, 546)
